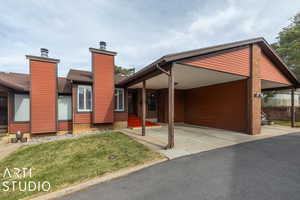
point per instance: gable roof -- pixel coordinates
(21, 82)
(87, 76)
(213, 49)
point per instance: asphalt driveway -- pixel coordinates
(261, 169)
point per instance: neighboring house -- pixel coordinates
(218, 86)
(281, 99)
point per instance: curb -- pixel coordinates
(94, 181)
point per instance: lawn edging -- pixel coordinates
(94, 181)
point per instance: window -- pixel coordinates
(84, 98)
(64, 107)
(119, 99)
(21, 108)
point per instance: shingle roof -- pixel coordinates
(21, 82)
(208, 50)
(87, 76)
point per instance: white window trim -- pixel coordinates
(123, 102)
(84, 98)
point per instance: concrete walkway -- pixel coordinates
(6, 149)
(194, 139)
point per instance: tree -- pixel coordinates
(288, 45)
(122, 70)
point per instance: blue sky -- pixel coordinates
(140, 31)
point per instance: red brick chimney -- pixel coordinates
(43, 93)
(103, 84)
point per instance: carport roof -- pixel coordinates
(204, 51)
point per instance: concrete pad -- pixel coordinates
(190, 139)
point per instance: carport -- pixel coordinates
(219, 87)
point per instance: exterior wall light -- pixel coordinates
(259, 95)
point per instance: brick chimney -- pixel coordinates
(103, 84)
(43, 93)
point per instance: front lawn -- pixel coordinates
(66, 162)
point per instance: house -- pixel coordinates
(219, 86)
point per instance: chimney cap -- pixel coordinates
(102, 45)
(44, 52)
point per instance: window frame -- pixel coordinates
(123, 100)
(14, 108)
(85, 110)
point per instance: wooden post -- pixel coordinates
(293, 107)
(144, 109)
(171, 110)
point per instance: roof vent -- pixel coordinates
(44, 52)
(102, 45)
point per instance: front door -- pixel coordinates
(3, 110)
(132, 102)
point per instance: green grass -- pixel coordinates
(67, 162)
(286, 123)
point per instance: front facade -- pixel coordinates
(218, 87)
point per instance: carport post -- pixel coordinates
(293, 107)
(144, 109)
(171, 109)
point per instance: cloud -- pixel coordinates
(139, 31)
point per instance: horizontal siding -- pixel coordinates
(220, 106)
(236, 62)
(270, 72)
(65, 126)
(43, 97)
(83, 118)
(103, 88)
(120, 116)
(23, 127)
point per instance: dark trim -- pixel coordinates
(42, 59)
(13, 109)
(100, 51)
(65, 120)
(207, 55)
(80, 82)
(278, 88)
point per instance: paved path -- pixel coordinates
(262, 169)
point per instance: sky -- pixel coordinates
(139, 31)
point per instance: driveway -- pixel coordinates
(261, 169)
(191, 139)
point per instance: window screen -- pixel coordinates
(21, 108)
(64, 107)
